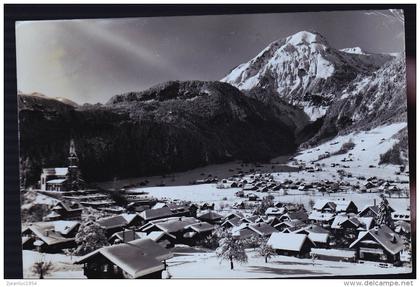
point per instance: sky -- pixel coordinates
(89, 61)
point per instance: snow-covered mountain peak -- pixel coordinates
(307, 38)
(304, 70)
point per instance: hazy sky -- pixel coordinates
(92, 60)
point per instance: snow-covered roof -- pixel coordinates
(57, 181)
(319, 216)
(318, 237)
(200, 227)
(383, 235)
(210, 215)
(156, 235)
(287, 241)
(58, 171)
(138, 258)
(53, 232)
(150, 214)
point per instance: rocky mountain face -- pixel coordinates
(305, 71)
(339, 90)
(367, 102)
(174, 126)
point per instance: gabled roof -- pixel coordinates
(373, 208)
(384, 236)
(324, 203)
(58, 171)
(250, 219)
(57, 181)
(70, 206)
(288, 241)
(127, 235)
(173, 225)
(200, 227)
(236, 221)
(237, 214)
(156, 235)
(262, 228)
(150, 214)
(319, 216)
(210, 215)
(120, 220)
(275, 211)
(138, 258)
(291, 215)
(53, 232)
(290, 223)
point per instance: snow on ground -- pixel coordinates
(188, 266)
(369, 145)
(63, 266)
(195, 193)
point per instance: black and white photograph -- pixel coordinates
(234, 146)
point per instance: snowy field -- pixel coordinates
(209, 193)
(188, 266)
(63, 266)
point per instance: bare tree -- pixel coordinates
(231, 249)
(42, 268)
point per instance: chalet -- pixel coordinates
(236, 214)
(68, 210)
(158, 213)
(403, 228)
(176, 227)
(275, 211)
(196, 232)
(141, 258)
(379, 244)
(50, 237)
(230, 223)
(324, 218)
(119, 222)
(243, 233)
(124, 236)
(162, 238)
(250, 219)
(352, 223)
(290, 225)
(210, 217)
(291, 244)
(369, 211)
(320, 236)
(292, 215)
(261, 229)
(336, 206)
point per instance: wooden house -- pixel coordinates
(291, 244)
(50, 237)
(141, 258)
(379, 244)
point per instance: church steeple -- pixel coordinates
(73, 159)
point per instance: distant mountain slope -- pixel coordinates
(174, 126)
(305, 71)
(368, 102)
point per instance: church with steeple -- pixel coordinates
(63, 178)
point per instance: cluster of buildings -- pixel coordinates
(141, 234)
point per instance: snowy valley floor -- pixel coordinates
(199, 264)
(207, 265)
